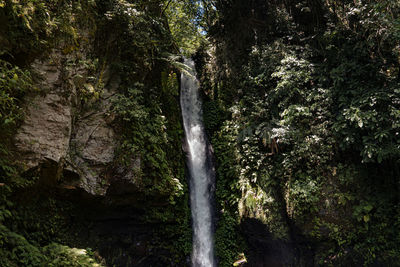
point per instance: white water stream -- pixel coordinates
(200, 169)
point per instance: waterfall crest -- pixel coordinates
(201, 170)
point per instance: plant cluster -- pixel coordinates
(313, 104)
(133, 39)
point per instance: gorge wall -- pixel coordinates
(295, 102)
(91, 152)
(301, 106)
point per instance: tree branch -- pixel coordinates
(165, 8)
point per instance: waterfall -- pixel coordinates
(201, 171)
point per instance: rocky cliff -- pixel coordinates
(59, 130)
(88, 160)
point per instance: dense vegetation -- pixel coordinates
(310, 93)
(302, 106)
(134, 41)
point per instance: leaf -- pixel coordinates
(366, 218)
(368, 208)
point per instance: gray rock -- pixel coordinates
(47, 127)
(76, 136)
(46, 130)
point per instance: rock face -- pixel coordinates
(93, 142)
(47, 128)
(63, 131)
(46, 131)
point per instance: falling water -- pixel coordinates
(200, 169)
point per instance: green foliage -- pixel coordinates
(15, 250)
(183, 22)
(314, 107)
(229, 243)
(149, 119)
(148, 140)
(146, 105)
(303, 111)
(14, 84)
(60, 255)
(147, 112)
(54, 228)
(227, 193)
(31, 27)
(174, 234)
(213, 116)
